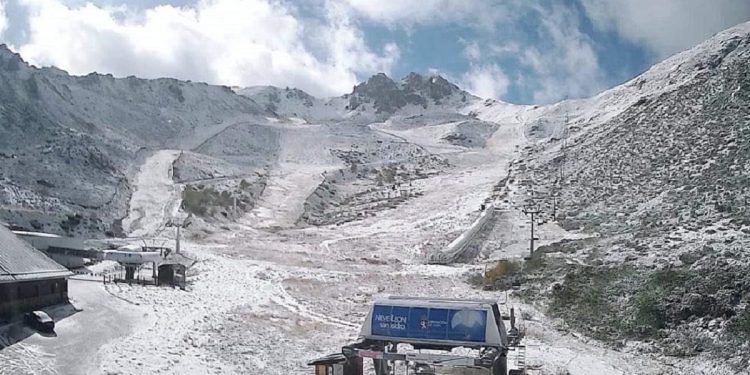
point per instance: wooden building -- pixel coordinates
(29, 280)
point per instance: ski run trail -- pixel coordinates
(155, 198)
(282, 200)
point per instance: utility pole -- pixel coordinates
(531, 209)
(564, 146)
(554, 205)
(565, 132)
(562, 167)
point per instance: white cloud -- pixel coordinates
(568, 66)
(404, 13)
(231, 42)
(666, 26)
(346, 47)
(546, 39)
(3, 19)
(486, 81)
(472, 51)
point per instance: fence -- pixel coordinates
(456, 248)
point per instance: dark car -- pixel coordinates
(40, 321)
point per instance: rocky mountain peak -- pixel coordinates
(387, 95)
(434, 86)
(376, 85)
(10, 60)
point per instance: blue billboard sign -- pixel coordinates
(429, 323)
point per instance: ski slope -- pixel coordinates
(156, 198)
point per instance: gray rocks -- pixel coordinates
(386, 96)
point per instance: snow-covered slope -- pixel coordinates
(676, 134)
(96, 130)
(658, 170)
(296, 104)
(68, 145)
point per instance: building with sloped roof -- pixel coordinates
(29, 279)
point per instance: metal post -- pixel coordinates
(531, 244)
(531, 210)
(554, 206)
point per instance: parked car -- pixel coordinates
(40, 321)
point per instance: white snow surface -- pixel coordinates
(148, 210)
(282, 200)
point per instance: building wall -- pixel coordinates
(26, 296)
(67, 261)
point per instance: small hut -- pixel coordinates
(172, 274)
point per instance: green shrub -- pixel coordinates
(535, 263)
(201, 201)
(503, 268)
(195, 201)
(740, 326)
(648, 315)
(502, 275)
(475, 279)
(588, 299)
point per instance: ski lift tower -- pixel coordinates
(180, 225)
(531, 208)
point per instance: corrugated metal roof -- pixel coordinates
(20, 261)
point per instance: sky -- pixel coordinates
(519, 51)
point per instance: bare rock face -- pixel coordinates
(387, 96)
(434, 87)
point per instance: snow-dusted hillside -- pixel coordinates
(296, 104)
(96, 129)
(69, 144)
(658, 169)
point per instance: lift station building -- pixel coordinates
(29, 279)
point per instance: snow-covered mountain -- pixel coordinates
(69, 145)
(377, 99)
(295, 104)
(95, 127)
(414, 94)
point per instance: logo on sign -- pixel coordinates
(391, 321)
(423, 323)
